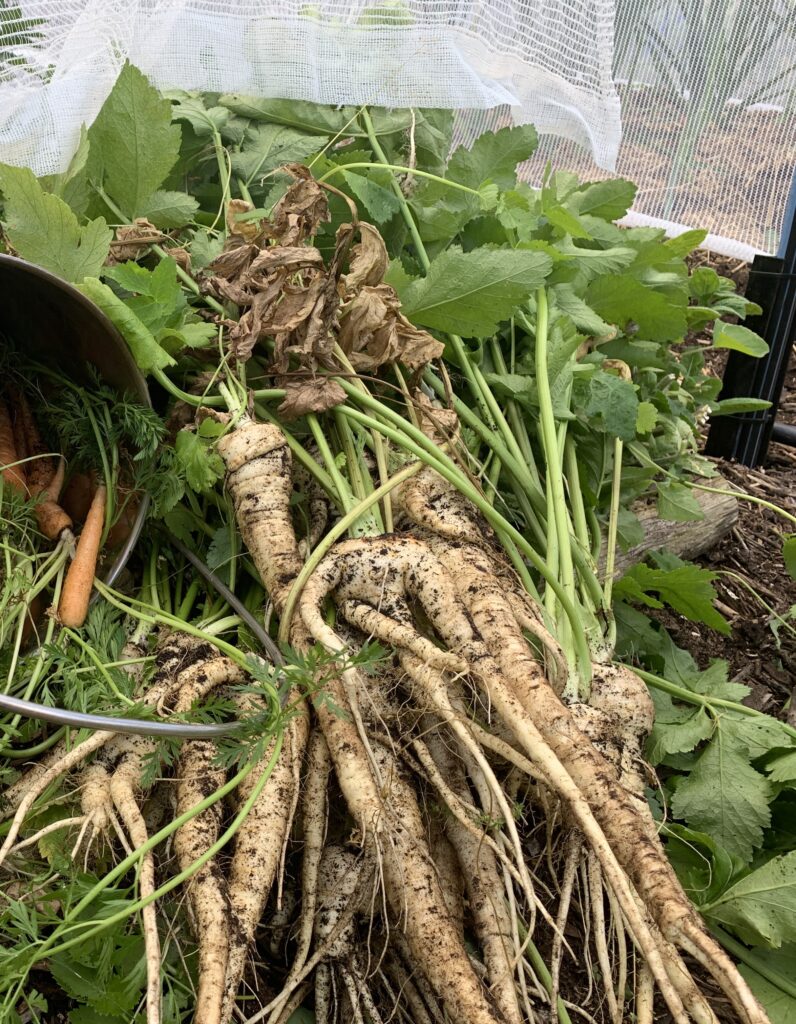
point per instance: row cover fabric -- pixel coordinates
(547, 61)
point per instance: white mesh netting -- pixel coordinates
(707, 87)
(708, 91)
(548, 60)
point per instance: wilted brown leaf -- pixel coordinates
(369, 260)
(301, 210)
(132, 238)
(288, 257)
(234, 261)
(241, 230)
(316, 394)
(373, 332)
(415, 346)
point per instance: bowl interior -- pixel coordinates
(60, 327)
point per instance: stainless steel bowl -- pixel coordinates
(60, 326)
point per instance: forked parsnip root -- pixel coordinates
(611, 781)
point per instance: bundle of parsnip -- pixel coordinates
(391, 456)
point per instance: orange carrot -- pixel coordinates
(79, 580)
(52, 519)
(40, 469)
(13, 475)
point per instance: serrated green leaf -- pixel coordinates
(761, 906)
(783, 767)
(563, 219)
(678, 728)
(592, 263)
(220, 554)
(192, 335)
(203, 468)
(685, 242)
(623, 300)
(738, 338)
(133, 142)
(629, 529)
(470, 293)
(44, 230)
(702, 865)
(204, 120)
(646, 418)
(493, 157)
(616, 402)
(688, 589)
(158, 299)
(72, 185)
(268, 146)
(204, 248)
(677, 503)
(725, 797)
(380, 201)
(582, 315)
(608, 200)
(515, 386)
(168, 210)
(145, 349)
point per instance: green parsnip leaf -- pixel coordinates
(616, 402)
(739, 338)
(761, 907)
(622, 300)
(145, 349)
(169, 210)
(133, 142)
(725, 797)
(687, 588)
(202, 466)
(493, 157)
(609, 199)
(470, 293)
(779, 965)
(268, 146)
(677, 503)
(43, 229)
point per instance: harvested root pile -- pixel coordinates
(468, 701)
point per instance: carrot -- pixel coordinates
(41, 468)
(53, 520)
(13, 475)
(77, 496)
(79, 581)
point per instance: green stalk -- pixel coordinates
(580, 524)
(547, 423)
(397, 168)
(518, 427)
(361, 483)
(378, 446)
(613, 521)
(754, 960)
(345, 498)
